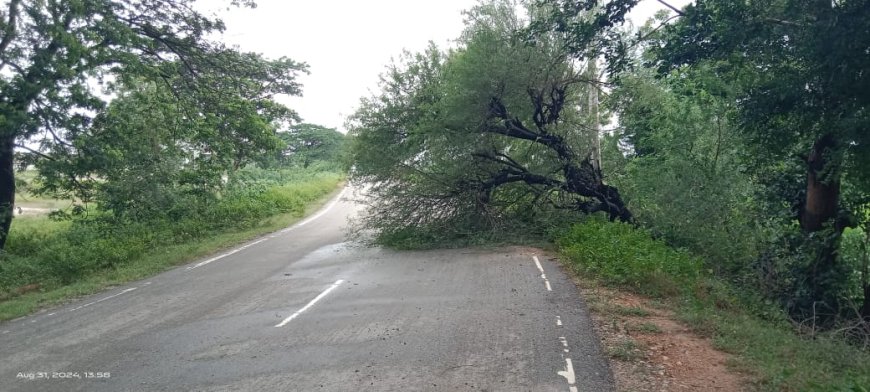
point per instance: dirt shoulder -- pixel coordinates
(649, 350)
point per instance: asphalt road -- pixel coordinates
(306, 310)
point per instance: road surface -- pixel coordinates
(306, 310)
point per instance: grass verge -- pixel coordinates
(764, 345)
(150, 262)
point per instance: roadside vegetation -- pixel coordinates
(82, 248)
(715, 159)
(134, 142)
(759, 334)
(50, 258)
(48, 261)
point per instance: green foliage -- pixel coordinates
(310, 144)
(473, 139)
(52, 254)
(798, 71)
(157, 145)
(61, 60)
(855, 254)
(684, 176)
(757, 332)
(622, 254)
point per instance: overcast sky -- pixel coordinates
(347, 43)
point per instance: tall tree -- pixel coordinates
(467, 137)
(802, 66)
(308, 143)
(158, 138)
(53, 52)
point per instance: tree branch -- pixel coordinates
(675, 9)
(40, 154)
(9, 33)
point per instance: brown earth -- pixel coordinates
(649, 350)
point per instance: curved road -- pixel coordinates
(306, 310)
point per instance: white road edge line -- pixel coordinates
(216, 258)
(103, 299)
(318, 215)
(310, 304)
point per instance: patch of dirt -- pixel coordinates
(32, 211)
(649, 350)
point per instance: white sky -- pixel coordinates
(347, 43)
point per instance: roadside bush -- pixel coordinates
(45, 254)
(621, 254)
(855, 253)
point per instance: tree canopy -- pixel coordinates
(55, 56)
(460, 139)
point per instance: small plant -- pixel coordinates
(631, 311)
(626, 350)
(645, 327)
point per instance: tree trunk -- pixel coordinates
(595, 113)
(823, 194)
(584, 179)
(7, 186)
(819, 212)
(865, 273)
(865, 310)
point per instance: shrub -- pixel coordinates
(622, 254)
(50, 253)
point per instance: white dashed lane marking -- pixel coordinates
(568, 373)
(310, 304)
(543, 275)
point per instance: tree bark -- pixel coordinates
(865, 273)
(582, 177)
(822, 194)
(586, 180)
(820, 211)
(7, 186)
(594, 112)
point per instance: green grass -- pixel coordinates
(623, 255)
(69, 259)
(777, 358)
(626, 350)
(645, 327)
(630, 311)
(26, 199)
(765, 346)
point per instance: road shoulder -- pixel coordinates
(648, 349)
